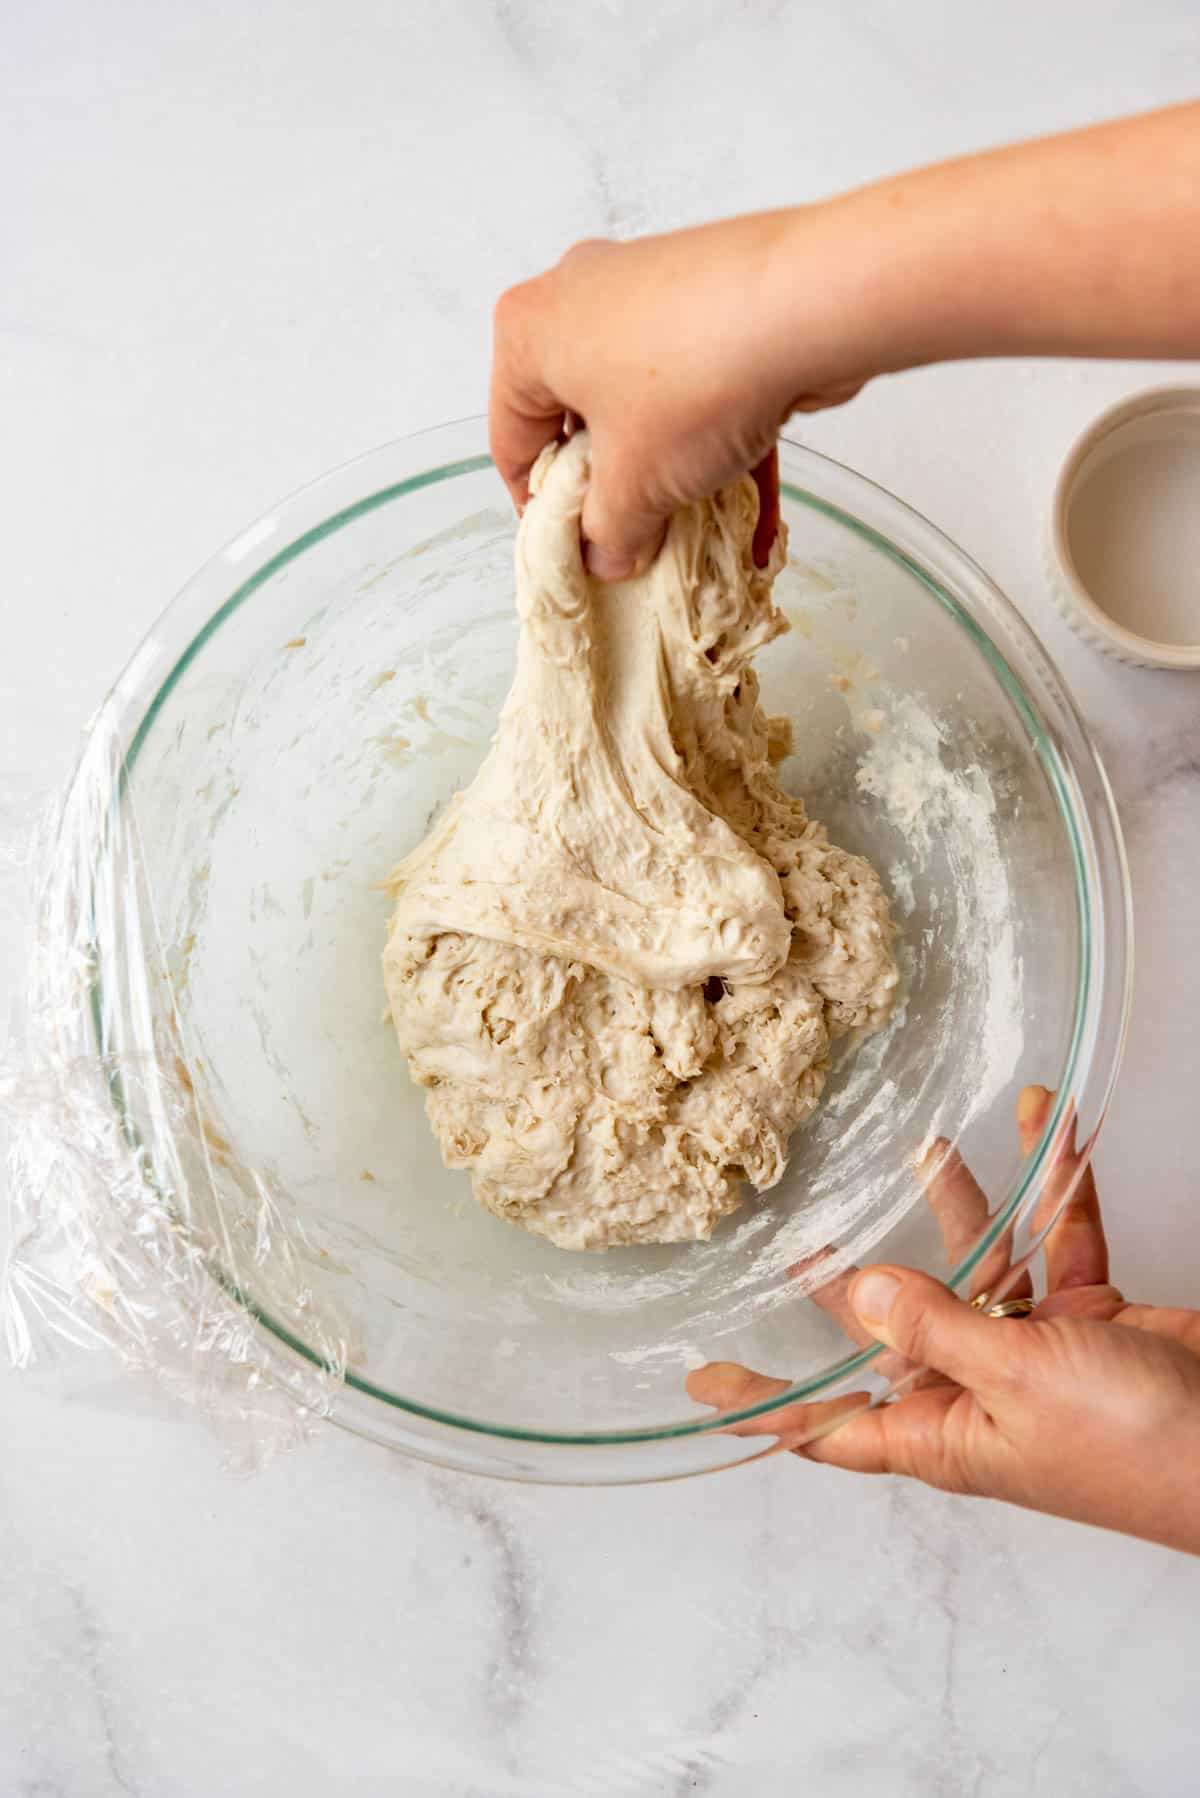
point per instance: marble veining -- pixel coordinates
(93, 1658)
(511, 1667)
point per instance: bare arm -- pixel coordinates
(686, 353)
(1082, 245)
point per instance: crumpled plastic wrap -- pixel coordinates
(131, 1224)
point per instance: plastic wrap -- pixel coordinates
(132, 1224)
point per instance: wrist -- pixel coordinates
(855, 288)
(1170, 1509)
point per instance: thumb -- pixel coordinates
(927, 1324)
(622, 527)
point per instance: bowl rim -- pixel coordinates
(1102, 1007)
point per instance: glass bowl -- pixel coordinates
(294, 722)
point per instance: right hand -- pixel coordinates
(683, 354)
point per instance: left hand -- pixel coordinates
(1088, 1409)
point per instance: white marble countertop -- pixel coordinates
(242, 243)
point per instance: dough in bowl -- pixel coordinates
(618, 961)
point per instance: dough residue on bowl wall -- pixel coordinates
(929, 801)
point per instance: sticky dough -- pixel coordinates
(618, 961)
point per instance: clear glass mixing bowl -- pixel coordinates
(296, 719)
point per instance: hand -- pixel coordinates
(684, 354)
(1088, 1409)
(682, 360)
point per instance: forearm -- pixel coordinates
(1082, 245)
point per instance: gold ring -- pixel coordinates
(1006, 1307)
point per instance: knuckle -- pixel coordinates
(1012, 1369)
(626, 468)
(958, 1469)
(909, 1324)
(509, 309)
(586, 250)
(904, 1450)
(518, 313)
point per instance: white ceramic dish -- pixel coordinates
(1125, 530)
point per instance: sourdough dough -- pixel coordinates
(617, 962)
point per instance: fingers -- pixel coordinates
(623, 521)
(834, 1299)
(925, 1322)
(832, 1294)
(1099, 1304)
(1033, 1111)
(961, 1208)
(955, 1197)
(727, 1386)
(517, 436)
(1076, 1250)
(1163, 1320)
(623, 525)
(911, 1438)
(942, 1432)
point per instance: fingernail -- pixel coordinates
(873, 1294)
(606, 566)
(1033, 1104)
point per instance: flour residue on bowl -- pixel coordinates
(927, 798)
